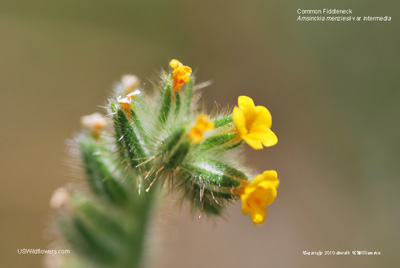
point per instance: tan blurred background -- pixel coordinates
(332, 89)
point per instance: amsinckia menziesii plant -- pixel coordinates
(148, 141)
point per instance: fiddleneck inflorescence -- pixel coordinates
(156, 139)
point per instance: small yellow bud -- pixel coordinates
(180, 74)
(203, 124)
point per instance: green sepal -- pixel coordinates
(234, 145)
(100, 220)
(86, 242)
(113, 107)
(211, 203)
(171, 141)
(138, 124)
(179, 155)
(226, 169)
(166, 101)
(131, 143)
(213, 173)
(223, 121)
(177, 103)
(97, 164)
(215, 141)
(119, 136)
(209, 183)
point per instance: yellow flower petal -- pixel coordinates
(195, 135)
(246, 103)
(267, 192)
(203, 123)
(263, 117)
(245, 208)
(268, 176)
(258, 132)
(255, 143)
(186, 70)
(175, 64)
(257, 214)
(270, 139)
(255, 137)
(240, 121)
(258, 218)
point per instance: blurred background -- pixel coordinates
(332, 89)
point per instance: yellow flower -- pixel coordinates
(180, 74)
(253, 124)
(203, 124)
(258, 194)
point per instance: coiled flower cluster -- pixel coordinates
(155, 139)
